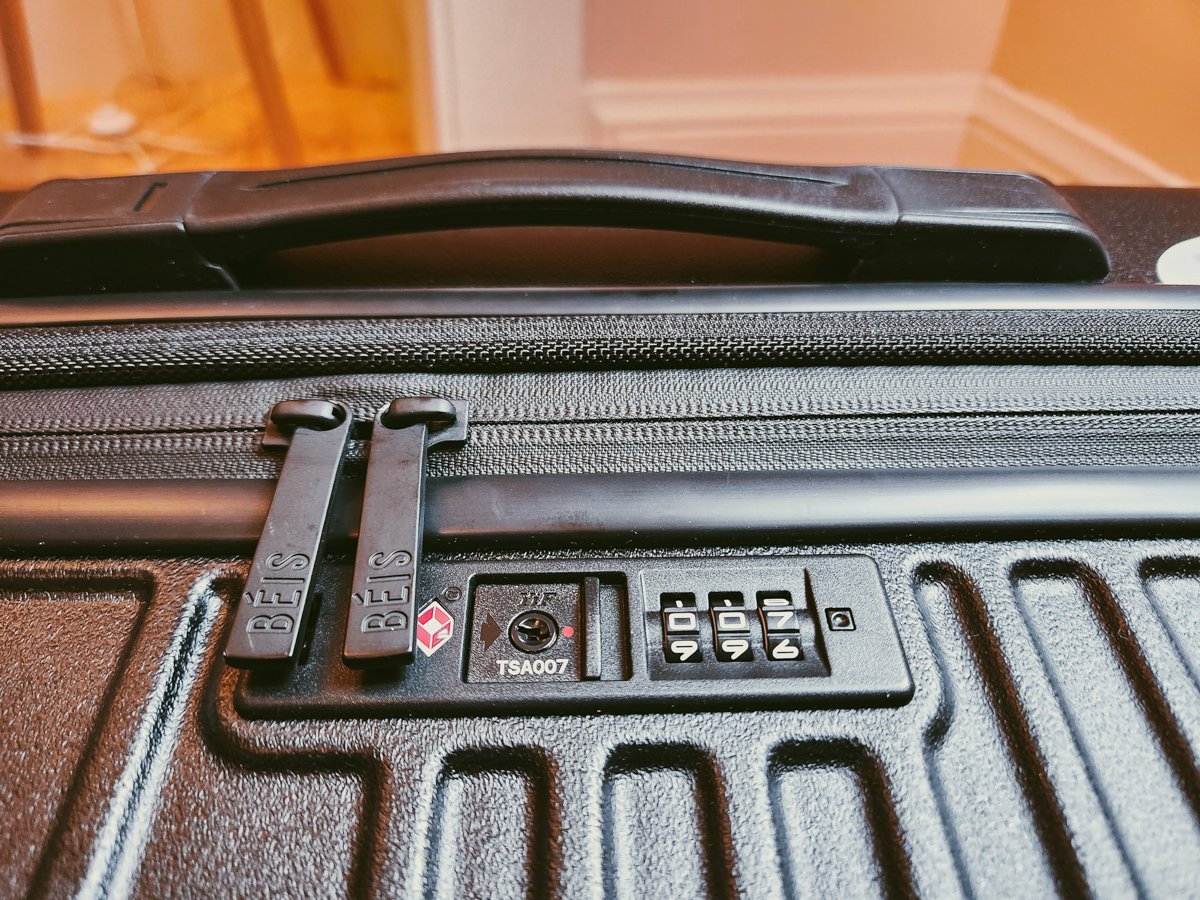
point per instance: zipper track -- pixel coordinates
(604, 397)
(715, 445)
(716, 420)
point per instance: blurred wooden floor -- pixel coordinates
(214, 125)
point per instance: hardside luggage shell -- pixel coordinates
(968, 446)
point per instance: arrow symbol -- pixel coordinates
(489, 632)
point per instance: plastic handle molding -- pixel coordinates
(189, 231)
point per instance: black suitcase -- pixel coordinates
(847, 546)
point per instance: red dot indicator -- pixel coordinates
(568, 631)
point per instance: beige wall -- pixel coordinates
(749, 38)
(1129, 69)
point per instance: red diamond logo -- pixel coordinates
(435, 627)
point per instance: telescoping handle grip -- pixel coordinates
(190, 230)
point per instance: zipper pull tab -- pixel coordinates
(270, 617)
(382, 621)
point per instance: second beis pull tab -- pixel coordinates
(381, 626)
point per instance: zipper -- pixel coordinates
(273, 611)
(609, 397)
(381, 626)
(381, 622)
(712, 445)
(382, 615)
(713, 421)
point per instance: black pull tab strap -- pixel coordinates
(270, 617)
(382, 621)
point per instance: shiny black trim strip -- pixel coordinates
(488, 513)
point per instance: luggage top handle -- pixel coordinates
(189, 231)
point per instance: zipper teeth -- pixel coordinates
(870, 428)
(37, 427)
(568, 448)
(546, 412)
(125, 442)
(608, 414)
(163, 431)
(622, 397)
(783, 429)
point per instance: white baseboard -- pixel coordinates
(1045, 138)
(822, 121)
(920, 120)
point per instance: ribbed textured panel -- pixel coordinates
(1050, 748)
